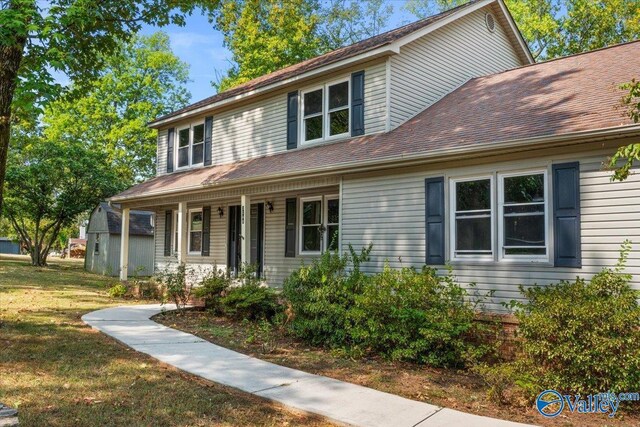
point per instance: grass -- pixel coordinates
(450, 388)
(59, 372)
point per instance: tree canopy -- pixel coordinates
(144, 80)
(72, 37)
(85, 150)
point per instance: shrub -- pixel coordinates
(415, 315)
(176, 285)
(579, 336)
(117, 291)
(212, 287)
(251, 301)
(321, 295)
(584, 336)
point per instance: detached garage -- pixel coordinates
(103, 242)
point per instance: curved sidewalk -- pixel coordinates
(336, 400)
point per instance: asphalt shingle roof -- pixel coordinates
(572, 94)
(363, 46)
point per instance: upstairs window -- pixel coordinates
(325, 112)
(190, 150)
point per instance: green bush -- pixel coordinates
(415, 315)
(322, 294)
(251, 302)
(579, 336)
(402, 314)
(176, 284)
(584, 336)
(117, 291)
(212, 287)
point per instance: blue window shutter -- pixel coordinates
(357, 103)
(292, 120)
(434, 227)
(566, 215)
(208, 139)
(290, 228)
(170, 142)
(168, 229)
(206, 230)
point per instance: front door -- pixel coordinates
(257, 236)
(234, 257)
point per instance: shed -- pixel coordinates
(103, 241)
(8, 246)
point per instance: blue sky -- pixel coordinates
(200, 46)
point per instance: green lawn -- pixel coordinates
(59, 372)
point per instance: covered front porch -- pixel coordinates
(272, 226)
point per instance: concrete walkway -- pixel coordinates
(336, 400)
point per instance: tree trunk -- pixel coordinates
(10, 60)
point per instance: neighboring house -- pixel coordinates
(104, 237)
(439, 142)
(8, 246)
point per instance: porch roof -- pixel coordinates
(575, 95)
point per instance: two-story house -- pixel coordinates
(440, 142)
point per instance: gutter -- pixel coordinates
(407, 160)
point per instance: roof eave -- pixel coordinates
(408, 160)
(382, 51)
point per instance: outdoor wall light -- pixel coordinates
(220, 212)
(270, 206)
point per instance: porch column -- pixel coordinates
(124, 245)
(245, 228)
(182, 232)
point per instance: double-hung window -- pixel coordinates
(195, 231)
(517, 224)
(325, 112)
(319, 224)
(190, 150)
(523, 215)
(473, 218)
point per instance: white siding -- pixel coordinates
(434, 65)
(161, 157)
(389, 211)
(276, 266)
(260, 128)
(375, 98)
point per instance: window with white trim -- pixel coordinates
(472, 223)
(175, 232)
(523, 215)
(195, 231)
(319, 224)
(517, 224)
(325, 112)
(190, 150)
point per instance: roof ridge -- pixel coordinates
(319, 61)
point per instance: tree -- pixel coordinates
(350, 21)
(554, 28)
(628, 154)
(266, 35)
(144, 80)
(49, 183)
(66, 36)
